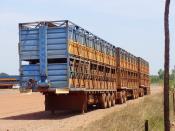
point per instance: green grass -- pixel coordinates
(133, 116)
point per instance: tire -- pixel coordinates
(103, 101)
(124, 99)
(109, 103)
(116, 98)
(84, 109)
(121, 100)
(136, 95)
(133, 96)
(142, 93)
(113, 100)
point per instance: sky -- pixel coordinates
(136, 26)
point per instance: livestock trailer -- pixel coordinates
(144, 80)
(72, 67)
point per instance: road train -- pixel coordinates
(75, 69)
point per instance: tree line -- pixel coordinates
(158, 79)
(3, 74)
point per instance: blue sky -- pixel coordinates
(136, 25)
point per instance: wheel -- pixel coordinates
(133, 96)
(113, 100)
(103, 101)
(136, 96)
(136, 93)
(121, 100)
(109, 100)
(116, 98)
(84, 109)
(142, 92)
(124, 99)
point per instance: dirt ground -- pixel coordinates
(25, 112)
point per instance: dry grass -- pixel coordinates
(132, 117)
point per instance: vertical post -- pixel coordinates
(67, 46)
(146, 125)
(166, 66)
(43, 52)
(20, 61)
(174, 101)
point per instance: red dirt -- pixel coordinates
(25, 112)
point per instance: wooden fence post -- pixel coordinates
(174, 101)
(146, 125)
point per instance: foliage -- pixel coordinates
(161, 74)
(155, 79)
(158, 79)
(3, 74)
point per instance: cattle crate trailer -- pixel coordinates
(72, 67)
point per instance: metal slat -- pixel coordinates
(43, 52)
(56, 41)
(56, 35)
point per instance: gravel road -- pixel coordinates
(25, 112)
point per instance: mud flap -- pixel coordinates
(74, 101)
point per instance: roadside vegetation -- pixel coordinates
(158, 79)
(133, 116)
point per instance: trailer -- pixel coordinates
(144, 80)
(8, 82)
(74, 68)
(128, 79)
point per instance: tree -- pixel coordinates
(161, 74)
(166, 66)
(172, 75)
(3, 74)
